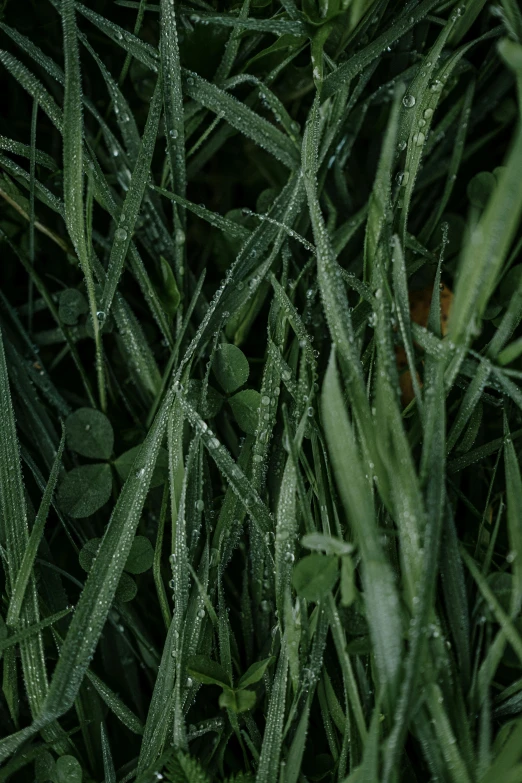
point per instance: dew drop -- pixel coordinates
(120, 234)
(408, 101)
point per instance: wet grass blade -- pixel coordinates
(131, 205)
(26, 566)
(380, 593)
(486, 250)
(174, 120)
(73, 175)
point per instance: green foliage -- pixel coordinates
(140, 556)
(72, 304)
(315, 575)
(124, 464)
(89, 433)
(245, 407)
(318, 576)
(230, 367)
(68, 770)
(84, 490)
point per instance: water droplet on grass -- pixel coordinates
(408, 101)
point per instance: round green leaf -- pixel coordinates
(230, 367)
(88, 552)
(44, 767)
(126, 589)
(327, 544)
(68, 770)
(245, 406)
(212, 402)
(267, 197)
(71, 305)
(314, 576)
(89, 433)
(141, 556)
(85, 489)
(480, 189)
(125, 461)
(237, 701)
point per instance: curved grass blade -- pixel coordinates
(115, 704)
(358, 62)
(268, 768)
(26, 633)
(17, 148)
(14, 516)
(242, 118)
(26, 566)
(381, 596)
(485, 251)
(227, 226)
(174, 118)
(100, 587)
(108, 763)
(73, 176)
(131, 206)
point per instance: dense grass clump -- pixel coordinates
(261, 391)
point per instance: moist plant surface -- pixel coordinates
(261, 391)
